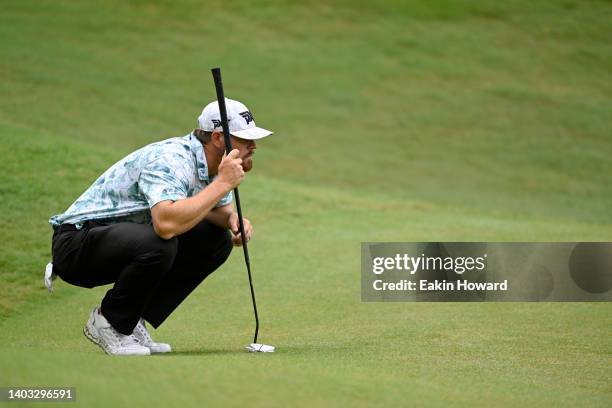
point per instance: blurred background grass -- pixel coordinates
(394, 120)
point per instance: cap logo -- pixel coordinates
(248, 116)
(217, 122)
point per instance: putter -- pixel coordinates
(254, 346)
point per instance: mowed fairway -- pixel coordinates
(394, 121)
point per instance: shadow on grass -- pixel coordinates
(204, 352)
(284, 349)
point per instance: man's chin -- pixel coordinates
(247, 165)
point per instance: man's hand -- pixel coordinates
(230, 170)
(234, 226)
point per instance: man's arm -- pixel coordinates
(227, 217)
(220, 216)
(172, 218)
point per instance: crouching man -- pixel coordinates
(155, 225)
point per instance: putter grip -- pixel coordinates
(216, 72)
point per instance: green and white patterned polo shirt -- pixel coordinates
(172, 169)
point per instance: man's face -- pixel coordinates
(247, 150)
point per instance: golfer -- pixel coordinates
(155, 225)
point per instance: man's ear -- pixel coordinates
(217, 140)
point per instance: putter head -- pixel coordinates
(260, 348)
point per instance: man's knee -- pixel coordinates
(219, 247)
(225, 245)
(214, 240)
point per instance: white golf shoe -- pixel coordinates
(100, 332)
(144, 339)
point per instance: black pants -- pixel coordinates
(151, 276)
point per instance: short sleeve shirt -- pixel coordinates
(173, 169)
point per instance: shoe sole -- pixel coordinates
(94, 339)
(91, 337)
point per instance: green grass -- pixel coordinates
(395, 121)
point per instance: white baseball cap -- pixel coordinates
(239, 117)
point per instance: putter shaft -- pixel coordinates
(228, 148)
